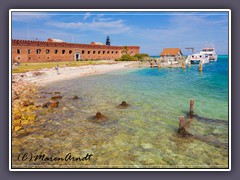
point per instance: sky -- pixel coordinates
(152, 31)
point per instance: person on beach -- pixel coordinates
(57, 69)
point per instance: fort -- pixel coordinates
(53, 50)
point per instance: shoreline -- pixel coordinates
(49, 75)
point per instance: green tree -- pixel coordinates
(124, 50)
(140, 57)
(127, 57)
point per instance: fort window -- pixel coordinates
(99, 52)
(89, 52)
(18, 57)
(83, 51)
(94, 52)
(29, 51)
(38, 51)
(47, 57)
(116, 52)
(108, 52)
(56, 51)
(18, 51)
(70, 52)
(63, 51)
(47, 51)
(112, 52)
(103, 52)
(29, 58)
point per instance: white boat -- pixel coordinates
(199, 58)
(205, 56)
(211, 53)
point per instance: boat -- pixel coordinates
(208, 54)
(211, 53)
(198, 58)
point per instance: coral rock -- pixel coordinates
(56, 97)
(75, 97)
(27, 103)
(54, 104)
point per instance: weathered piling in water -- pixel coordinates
(183, 65)
(191, 108)
(98, 118)
(181, 122)
(124, 105)
(159, 65)
(200, 67)
(98, 115)
(189, 65)
(182, 130)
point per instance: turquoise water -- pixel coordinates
(145, 134)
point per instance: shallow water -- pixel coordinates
(145, 134)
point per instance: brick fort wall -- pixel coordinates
(44, 51)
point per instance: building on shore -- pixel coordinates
(57, 50)
(171, 54)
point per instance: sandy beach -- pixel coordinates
(49, 75)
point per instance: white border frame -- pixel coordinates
(117, 10)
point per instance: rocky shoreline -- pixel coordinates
(28, 102)
(23, 103)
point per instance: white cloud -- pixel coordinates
(87, 15)
(106, 27)
(28, 16)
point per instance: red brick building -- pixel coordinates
(46, 51)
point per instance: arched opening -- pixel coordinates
(38, 51)
(77, 56)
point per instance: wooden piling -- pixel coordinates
(191, 108)
(200, 67)
(181, 122)
(189, 65)
(183, 65)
